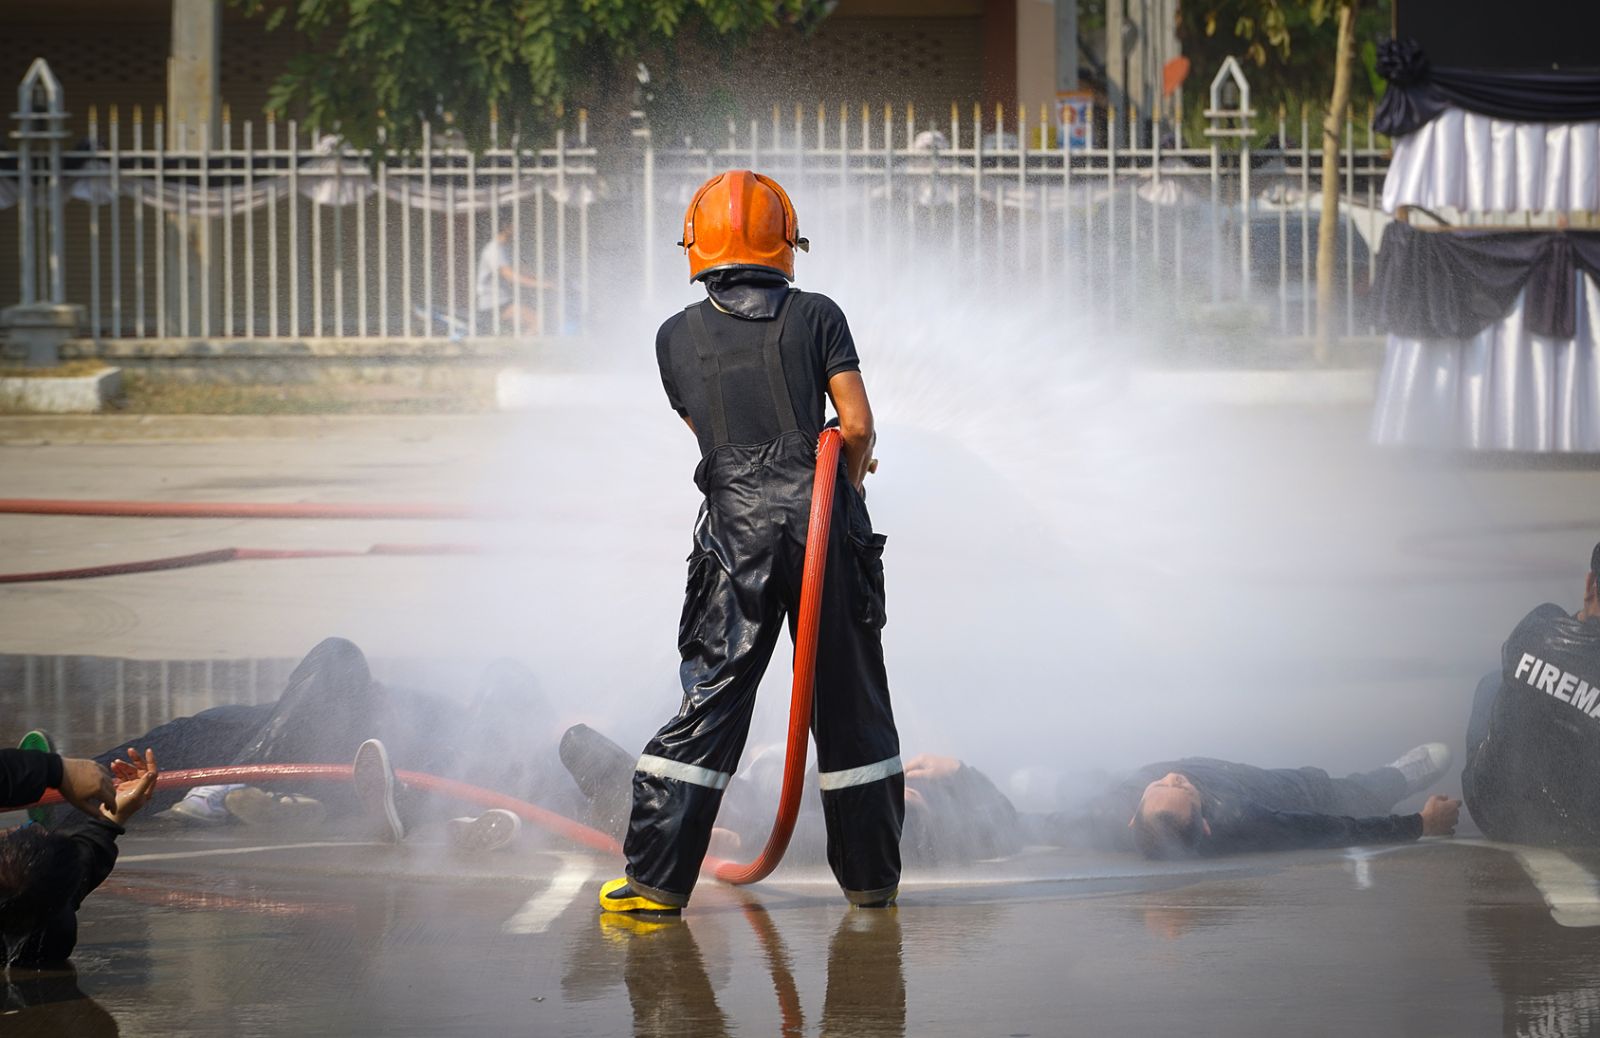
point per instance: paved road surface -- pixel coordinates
(205, 935)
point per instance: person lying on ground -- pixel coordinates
(26, 772)
(1532, 771)
(329, 705)
(594, 789)
(503, 740)
(954, 813)
(45, 873)
(1207, 807)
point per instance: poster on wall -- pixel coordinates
(1075, 120)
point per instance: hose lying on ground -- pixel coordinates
(211, 558)
(238, 510)
(258, 774)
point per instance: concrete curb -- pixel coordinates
(36, 429)
(85, 394)
(1347, 387)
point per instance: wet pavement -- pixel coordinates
(1320, 603)
(242, 933)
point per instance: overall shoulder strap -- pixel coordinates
(777, 382)
(710, 371)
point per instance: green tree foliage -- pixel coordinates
(1286, 48)
(374, 70)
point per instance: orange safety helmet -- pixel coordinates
(741, 219)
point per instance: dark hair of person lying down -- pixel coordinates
(37, 876)
(1594, 562)
(1162, 837)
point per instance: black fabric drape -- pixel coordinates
(1453, 284)
(1418, 92)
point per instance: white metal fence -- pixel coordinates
(272, 230)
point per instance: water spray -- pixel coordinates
(805, 654)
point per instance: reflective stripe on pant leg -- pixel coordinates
(864, 823)
(672, 769)
(858, 749)
(859, 776)
(731, 627)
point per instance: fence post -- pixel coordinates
(1231, 120)
(43, 319)
(641, 133)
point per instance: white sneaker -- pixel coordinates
(490, 831)
(1423, 765)
(373, 777)
(254, 806)
(204, 805)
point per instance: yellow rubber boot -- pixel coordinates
(617, 896)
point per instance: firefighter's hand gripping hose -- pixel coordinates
(805, 669)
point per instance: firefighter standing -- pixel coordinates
(747, 369)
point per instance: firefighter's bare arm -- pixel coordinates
(849, 395)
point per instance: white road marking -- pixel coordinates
(1571, 891)
(540, 910)
(1361, 860)
(220, 851)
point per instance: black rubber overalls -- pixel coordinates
(744, 579)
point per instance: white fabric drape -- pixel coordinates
(1504, 389)
(1474, 162)
(331, 177)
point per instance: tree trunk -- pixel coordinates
(1328, 227)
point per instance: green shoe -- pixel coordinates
(38, 739)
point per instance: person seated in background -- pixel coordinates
(46, 872)
(1199, 806)
(497, 279)
(1532, 771)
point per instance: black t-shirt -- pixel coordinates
(816, 346)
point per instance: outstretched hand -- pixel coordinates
(86, 785)
(1440, 815)
(136, 781)
(931, 766)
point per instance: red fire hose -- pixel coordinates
(237, 510)
(805, 669)
(486, 798)
(211, 558)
